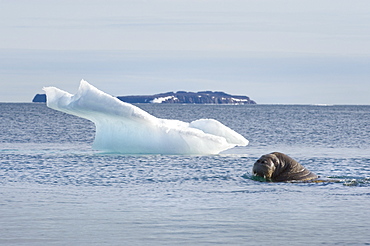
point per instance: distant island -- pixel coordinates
(201, 97)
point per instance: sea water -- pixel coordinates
(56, 190)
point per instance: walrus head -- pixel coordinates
(278, 167)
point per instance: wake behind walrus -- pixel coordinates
(278, 167)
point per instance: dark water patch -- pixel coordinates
(351, 180)
(116, 170)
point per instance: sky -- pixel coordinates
(274, 51)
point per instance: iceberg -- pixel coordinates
(124, 128)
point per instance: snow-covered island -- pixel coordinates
(201, 97)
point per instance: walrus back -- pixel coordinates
(290, 176)
(289, 169)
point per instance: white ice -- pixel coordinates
(124, 128)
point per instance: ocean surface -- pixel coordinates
(56, 190)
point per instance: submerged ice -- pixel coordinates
(124, 128)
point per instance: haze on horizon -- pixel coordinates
(275, 52)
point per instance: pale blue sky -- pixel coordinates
(284, 52)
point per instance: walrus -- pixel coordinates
(278, 167)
